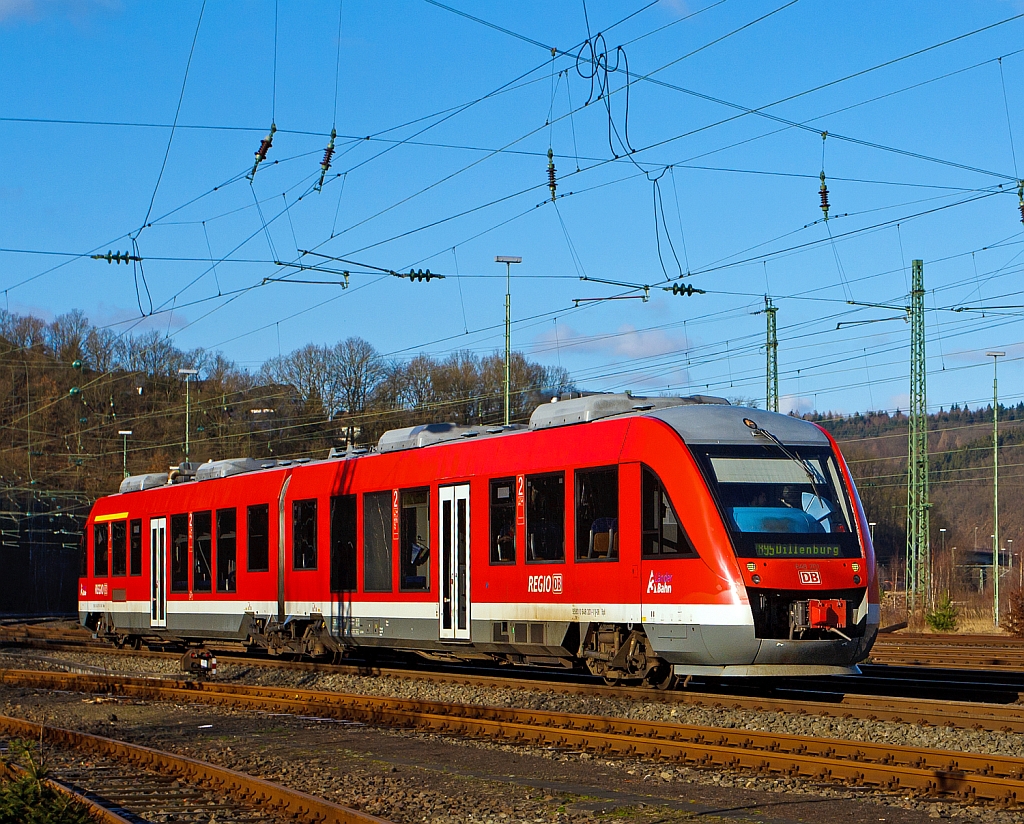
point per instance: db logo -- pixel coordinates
(545, 583)
(809, 577)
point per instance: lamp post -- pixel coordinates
(995, 482)
(871, 525)
(188, 373)
(124, 433)
(508, 260)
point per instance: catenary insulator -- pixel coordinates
(261, 152)
(325, 164)
(552, 183)
(1020, 198)
(823, 191)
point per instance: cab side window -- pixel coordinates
(597, 514)
(662, 533)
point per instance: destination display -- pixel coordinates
(774, 550)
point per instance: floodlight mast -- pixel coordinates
(508, 260)
(188, 373)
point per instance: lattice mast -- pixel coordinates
(918, 508)
(772, 349)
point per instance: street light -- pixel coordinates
(995, 482)
(508, 260)
(871, 524)
(942, 532)
(188, 373)
(124, 433)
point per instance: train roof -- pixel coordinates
(697, 419)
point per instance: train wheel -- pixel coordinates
(660, 678)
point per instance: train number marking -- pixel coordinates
(810, 577)
(100, 589)
(545, 583)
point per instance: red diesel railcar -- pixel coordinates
(642, 537)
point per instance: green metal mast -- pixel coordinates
(918, 507)
(772, 373)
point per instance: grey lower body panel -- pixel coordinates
(765, 671)
(693, 649)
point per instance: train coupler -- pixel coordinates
(821, 614)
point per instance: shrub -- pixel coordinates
(1013, 620)
(28, 799)
(944, 617)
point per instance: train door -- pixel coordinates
(158, 572)
(454, 572)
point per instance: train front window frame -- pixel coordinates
(304, 534)
(545, 518)
(662, 536)
(414, 540)
(202, 551)
(257, 538)
(179, 552)
(597, 514)
(777, 503)
(100, 550)
(503, 522)
(118, 549)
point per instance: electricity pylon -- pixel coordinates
(918, 507)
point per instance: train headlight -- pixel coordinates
(855, 567)
(751, 567)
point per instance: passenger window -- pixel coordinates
(414, 540)
(343, 543)
(662, 534)
(202, 552)
(179, 553)
(100, 537)
(226, 550)
(258, 536)
(503, 521)
(304, 534)
(83, 554)
(119, 548)
(545, 517)
(135, 547)
(377, 542)
(597, 514)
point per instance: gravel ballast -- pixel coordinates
(645, 774)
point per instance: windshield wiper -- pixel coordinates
(809, 470)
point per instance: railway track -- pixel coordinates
(128, 783)
(982, 652)
(823, 698)
(986, 778)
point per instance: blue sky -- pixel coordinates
(919, 163)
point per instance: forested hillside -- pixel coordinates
(67, 388)
(960, 471)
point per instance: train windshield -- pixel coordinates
(779, 503)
